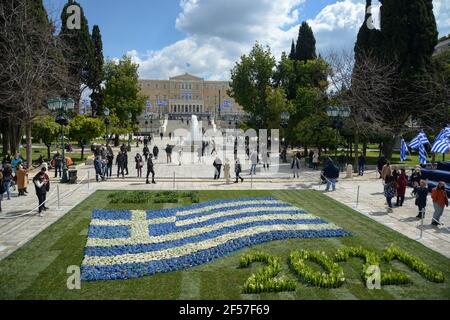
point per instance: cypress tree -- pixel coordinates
(77, 47)
(292, 55)
(95, 74)
(306, 44)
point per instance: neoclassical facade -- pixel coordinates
(186, 95)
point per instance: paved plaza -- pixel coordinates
(17, 226)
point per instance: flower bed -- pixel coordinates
(136, 243)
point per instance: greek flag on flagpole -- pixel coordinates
(420, 139)
(441, 146)
(422, 152)
(445, 133)
(403, 151)
(227, 104)
(162, 103)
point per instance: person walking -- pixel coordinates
(199, 154)
(170, 136)
(146, 151)
(218, 166)
(150, 169)
(331, 173)
(98, 165)
(226, 170)
(238, 170)
(265, 157)
(41, 190)
(315, 160)
(361, 164)
(401, 183)
(58, 163)
(155, 152)
(139, 164)
(440, 201)
(17, 160)
(254, 162)
(421, 198)
(390, 190)
(120, 165)
(22, 179)
(168, 150)
(295, 166)
(7, 179)
(109, 164)
(125, 162)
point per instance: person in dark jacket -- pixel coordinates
(421, 198)
(150, 169)
(380, 164)
(416, 176)
(7, 179)
(145, 151)
(169, 150)
(402, 182)
(361, 164)
(238, 170)
(155, 152)
(295, 166)
(41, 190)
(109, 164)
(331, 173)
(120, 162)
(98, 165)
(342, 161)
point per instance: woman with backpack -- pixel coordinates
(41, 190)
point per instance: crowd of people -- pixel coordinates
(395, 181)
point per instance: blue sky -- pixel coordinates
(163, 36)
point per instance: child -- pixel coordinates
(421, 198)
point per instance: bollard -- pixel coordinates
(251, 180)
(88, 180)
(174, 180)
(421, 222)
(357, 197)
(59, 201)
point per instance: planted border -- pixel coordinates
(333, 277)
(265, 280)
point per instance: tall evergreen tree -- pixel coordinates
(292, 55)
(306, 44)
(95, 72)
(77, 47)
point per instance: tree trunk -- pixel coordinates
(116, 141)
(355, 161)
(388, 147)
(82, 152)
(365, 149)
(29, 143)
(48, 151)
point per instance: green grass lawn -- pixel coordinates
(38, 269)
(38, 151)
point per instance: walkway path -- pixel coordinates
(193, 176)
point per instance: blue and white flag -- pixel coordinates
(403, 151)
(149, 104)
(441, 146)
(162, 103)
(422, 152)
(444, 134)
(125, 244)
(420, 139)
(227, 104)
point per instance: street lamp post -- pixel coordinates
(107, 122)
(338, 114)
(130, 116)
(62, 106)
(285, 117)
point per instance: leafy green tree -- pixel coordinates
(95, 74)
(292, 54)
(315, 130)
(121, 93)
(78, 49)
(306, 44)
(285, 76)
(249, 80)
(83, 129)
(46, 129)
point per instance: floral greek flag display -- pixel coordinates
(126, 244)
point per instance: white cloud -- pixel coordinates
(219, 32)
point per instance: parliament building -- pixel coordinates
(182, 96)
